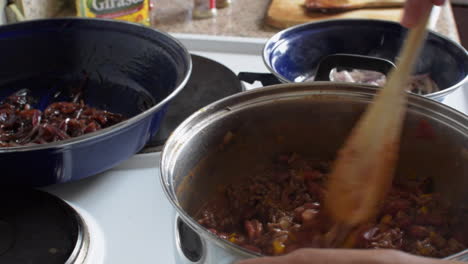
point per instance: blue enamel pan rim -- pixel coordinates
(124, 124)
(301, 27)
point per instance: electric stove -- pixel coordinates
(122, 216)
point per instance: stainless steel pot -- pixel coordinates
(313, 119)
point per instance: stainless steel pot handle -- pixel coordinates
(189, 245)
(462, 256)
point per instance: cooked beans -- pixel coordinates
(279, 210)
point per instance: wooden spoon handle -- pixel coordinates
(343, 5)
(363, 171)
(378, 3)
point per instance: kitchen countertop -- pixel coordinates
(244, 18)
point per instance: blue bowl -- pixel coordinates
(130, 69)
(293, 54)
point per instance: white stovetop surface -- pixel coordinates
(127, 204)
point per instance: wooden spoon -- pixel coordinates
(344, 5)
(363, 170)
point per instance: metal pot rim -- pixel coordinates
(218, 109)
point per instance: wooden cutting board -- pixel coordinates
(286, 13)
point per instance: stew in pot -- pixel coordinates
(278, 211)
